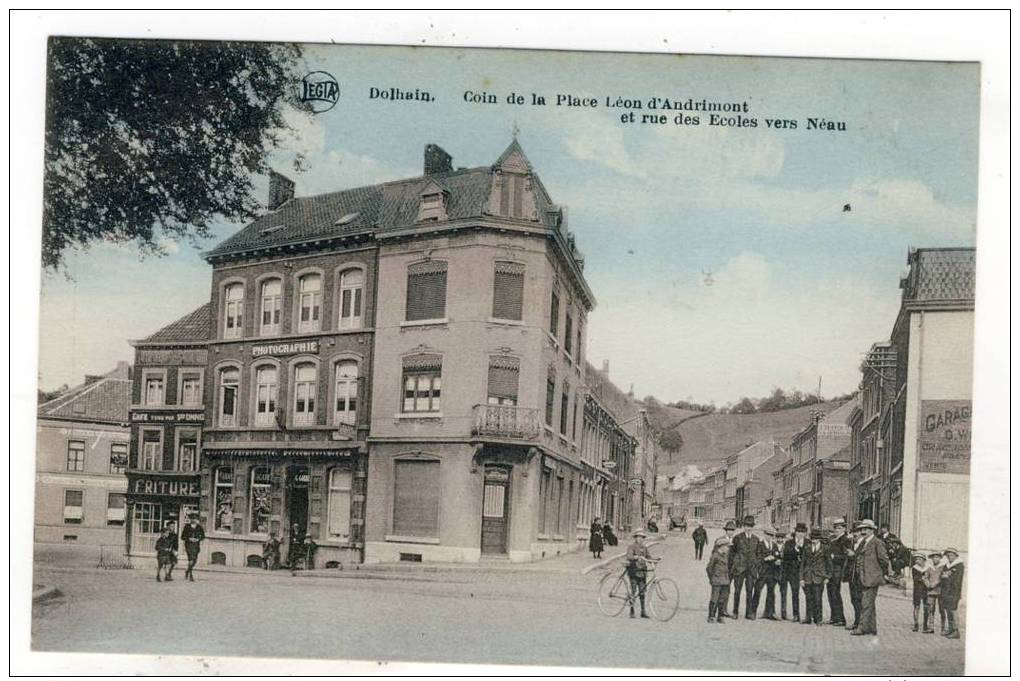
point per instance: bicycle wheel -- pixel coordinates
(613, 595)
(663, 599)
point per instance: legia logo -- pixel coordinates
(319, 91)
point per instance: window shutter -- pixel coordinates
(426, 290)
(508, 291)
(416, 498)
(504, 374)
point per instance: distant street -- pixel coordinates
(541, 614)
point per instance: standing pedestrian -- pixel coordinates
(838, 547)
(193, 534)
(920, 591)
(295, 547)
(899, 555)
(745, 565)
(768, 576)
(872, 563)
(700, 537)
(166, 552)
(595, 543)
(814, 570)
(718, 571)
(789, 579)
(637, 569)
(952, 590)
(933, 583)
(271, 552)
(608, 536)
(854, 577)
(729, 530)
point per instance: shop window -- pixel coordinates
(233, 310)
(154, 389)
(426, 291)
(118, 457)
(187, 450)
(306, 386)
(339, 504)
(223, 499)
(260, 504)
(352, 284)
(504, 376)
(229, 385)
(422, 381)
(75, 456)
(272, 295)
(147, 520)
(152, 450)
(266, 388)
(309, 303)
(191, 388)
(74, 506)
(508, 291)
(345, 390)
(116, 509)
(416, 498)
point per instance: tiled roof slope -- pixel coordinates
(105, 399)
(194, 326)
(615, 401)
(940, 274)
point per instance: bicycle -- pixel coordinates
(662, 595)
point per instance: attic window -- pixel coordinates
(270, 230)
(347, 219)
(432, 207)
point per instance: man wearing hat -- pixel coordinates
(771, 557)
(789, 579)
(814, 570)
(745, 565)
(952, 590)
(700, 537)
(729, 530)
(872, 565)
(838, 547)
(637, 569)
(854, 577)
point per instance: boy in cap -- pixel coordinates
(718, 571)
(920, 593)
(952, 589)
(166, 552)
(637, 569)
(933, 586)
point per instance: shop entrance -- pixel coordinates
(297, 499)
(495, 510)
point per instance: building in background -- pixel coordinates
(870, 422)
(754, 467)
(82, 442)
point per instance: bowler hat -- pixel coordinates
(639, 533)
(839, 522)
(801, 527)
(748, 521)
(867, 523)
(816, 533)
(952, 551)
(730, 525)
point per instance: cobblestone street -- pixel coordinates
(542, 613)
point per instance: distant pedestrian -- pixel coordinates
(192, 536)
(166, 553)
(873, 566)
(608, 536)
(700, 537)
(789, 578)
(814, 570)
(271, 552)
(295, 547)
(768, 574)
(838, 547)
(683, 524)
(595, 542)
(952, 590)
(920, 590)
(637, 569)
(933, 585)
(718, 571)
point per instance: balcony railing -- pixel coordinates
(505, 421)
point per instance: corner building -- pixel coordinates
(478, 407)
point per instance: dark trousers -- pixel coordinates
(744, 580)
(637, 587)
(720, 594)
(813, 596)
(699, 550)
(192, 549)
(767, 584)
(869, 618)
(790, 581)
(834, 590)
(856, 591)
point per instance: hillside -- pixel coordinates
(710, 438)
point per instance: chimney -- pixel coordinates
(605, 368)
(437, 160)
(281, 190)
(123, 370)
(92, 378)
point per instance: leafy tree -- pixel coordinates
(774, 402)
(146, 138)
(744, 406)
(671, 440)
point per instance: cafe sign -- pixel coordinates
(163, 485)
(281, 349)
(168, 417)
(944, 436)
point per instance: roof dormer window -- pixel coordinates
(432, 207)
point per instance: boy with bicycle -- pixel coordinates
(638, 558)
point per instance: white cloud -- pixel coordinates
(168, 244)
(307, 135)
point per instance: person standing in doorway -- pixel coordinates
(814, 570)
(192, 535)
(789, 579)
(872, 563)
(295, 547)
(838, 547)
(700, 537)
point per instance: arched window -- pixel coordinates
(272, 293)
(305, 391)
(309, 303)
(346, 393)
(223, 499)
(339, 507)
(266, 387)
(259, 503)
(233, 310)
(229, 384)
(352, 284)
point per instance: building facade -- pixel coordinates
(870, 470)
(82, 441)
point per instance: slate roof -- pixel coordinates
(103, 399)
(940, 275)
(194, 326)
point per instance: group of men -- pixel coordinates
(758, 561)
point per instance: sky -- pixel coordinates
(721, 258)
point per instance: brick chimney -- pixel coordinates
(281, 190)
(437, 160)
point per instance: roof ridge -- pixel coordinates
(388, 183)
(73, 393)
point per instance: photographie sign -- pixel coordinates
(944, 436)
(281, 349)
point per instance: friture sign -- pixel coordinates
(944, 436)
(291, 348)
(163, 485)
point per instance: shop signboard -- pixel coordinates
(944, 436)
(162, 485)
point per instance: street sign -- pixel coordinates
(608, 464)
(635, 483)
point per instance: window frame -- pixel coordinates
(127, 457)
(335, 417)
(221, 369)
(269, 420)
(306, 418)
(437, 263)
(78, 460)
(271, 329)
(216, 486)
(143, 452)
(268, 487)
(182, 374)
(401, 532)
(509, 264)
(554, 314)
(154, 374)
(113, 522)
(313, 324)
(179, 434)
(72, 520)
(435, 377)
(334, 489)
(358, 295)
(233, 308)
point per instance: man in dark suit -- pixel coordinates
(838, 547)
(789, 578)
(770, 560)
(700, 537)
(872, 565)
(814, 570)
(745, 564)
(728, 531)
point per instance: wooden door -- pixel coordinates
(495, 510)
